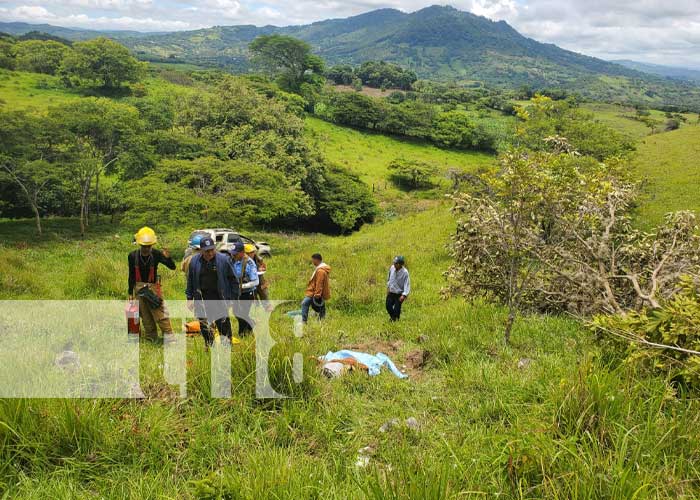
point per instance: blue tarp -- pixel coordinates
(373, 362)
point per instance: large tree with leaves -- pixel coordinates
(101, 131)
(28, 146)
(287, 58)
(101, 63)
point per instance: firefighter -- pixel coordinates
(144, 283)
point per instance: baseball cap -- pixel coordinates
(399, 259)
(237, 247)
(207, 244)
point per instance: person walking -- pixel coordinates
(318, 290)
(211, 285)
(398, 287)
(144, 283)
(246, 273)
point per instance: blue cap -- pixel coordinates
(207, 244)
(237, 247)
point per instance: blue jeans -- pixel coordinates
(309, 302)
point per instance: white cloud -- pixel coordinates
(40, 15)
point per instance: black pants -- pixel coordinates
(393, 306)
(211, 309)
(241, 309)
(222, 324)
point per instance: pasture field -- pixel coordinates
(565, 424)
(670, 167)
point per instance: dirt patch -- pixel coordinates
(374, 346)
(416, 360)
(368, 91)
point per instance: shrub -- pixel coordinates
(411, 173)
(641, 336)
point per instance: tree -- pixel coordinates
(101, 63)
(27, 146)
(545, 117)
(40, 56)
(454, 129)
(552, 232)
(7, 56)
(101, 130)
(287, 57)
(414, 173)
(341, 75)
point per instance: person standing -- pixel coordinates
(144, 283)
(318, 290)
(211, 285)
(262, 290)
(246, 273)
(398, 287)
(194, 246)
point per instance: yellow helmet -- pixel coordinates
(249, 247)
(146, 236)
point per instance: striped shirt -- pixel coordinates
(399, 281)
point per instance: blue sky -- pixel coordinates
(662, 32)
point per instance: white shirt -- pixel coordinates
(399, 281)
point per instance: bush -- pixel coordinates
(639, 336)
(411, 173)
(40, 56)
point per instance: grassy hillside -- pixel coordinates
(369, 155)
(554, 428)
(669, 164)
(622, 118)
(549, 416)
(31, 91)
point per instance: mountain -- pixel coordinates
(440, 43)
(675, 72)
(73, 34)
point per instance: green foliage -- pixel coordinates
(343, 74)
(100, 63)
(7, 55)
(411, 173)
(386, 75)
(343, 202)
(454, 129)
(411, 118)
(287, 58)
(39, 56)
(639, 337)
(544, 117)
(219, 192)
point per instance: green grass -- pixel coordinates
(369, 155)
(569, 425)
(31, 91)
(668, 163)
(564, 427)
(36, 92)
(621, 118)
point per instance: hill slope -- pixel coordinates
(691, 75)
(436, 42)
(669, 163)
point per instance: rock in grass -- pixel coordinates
(412, 423)
(363, 456)
(524, 363)
(68, 360)
(389, 425)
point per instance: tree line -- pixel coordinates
(231, 151)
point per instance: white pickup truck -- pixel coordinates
(224, 238)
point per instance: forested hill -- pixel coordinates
(440, 43)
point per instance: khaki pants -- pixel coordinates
(149, 316)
